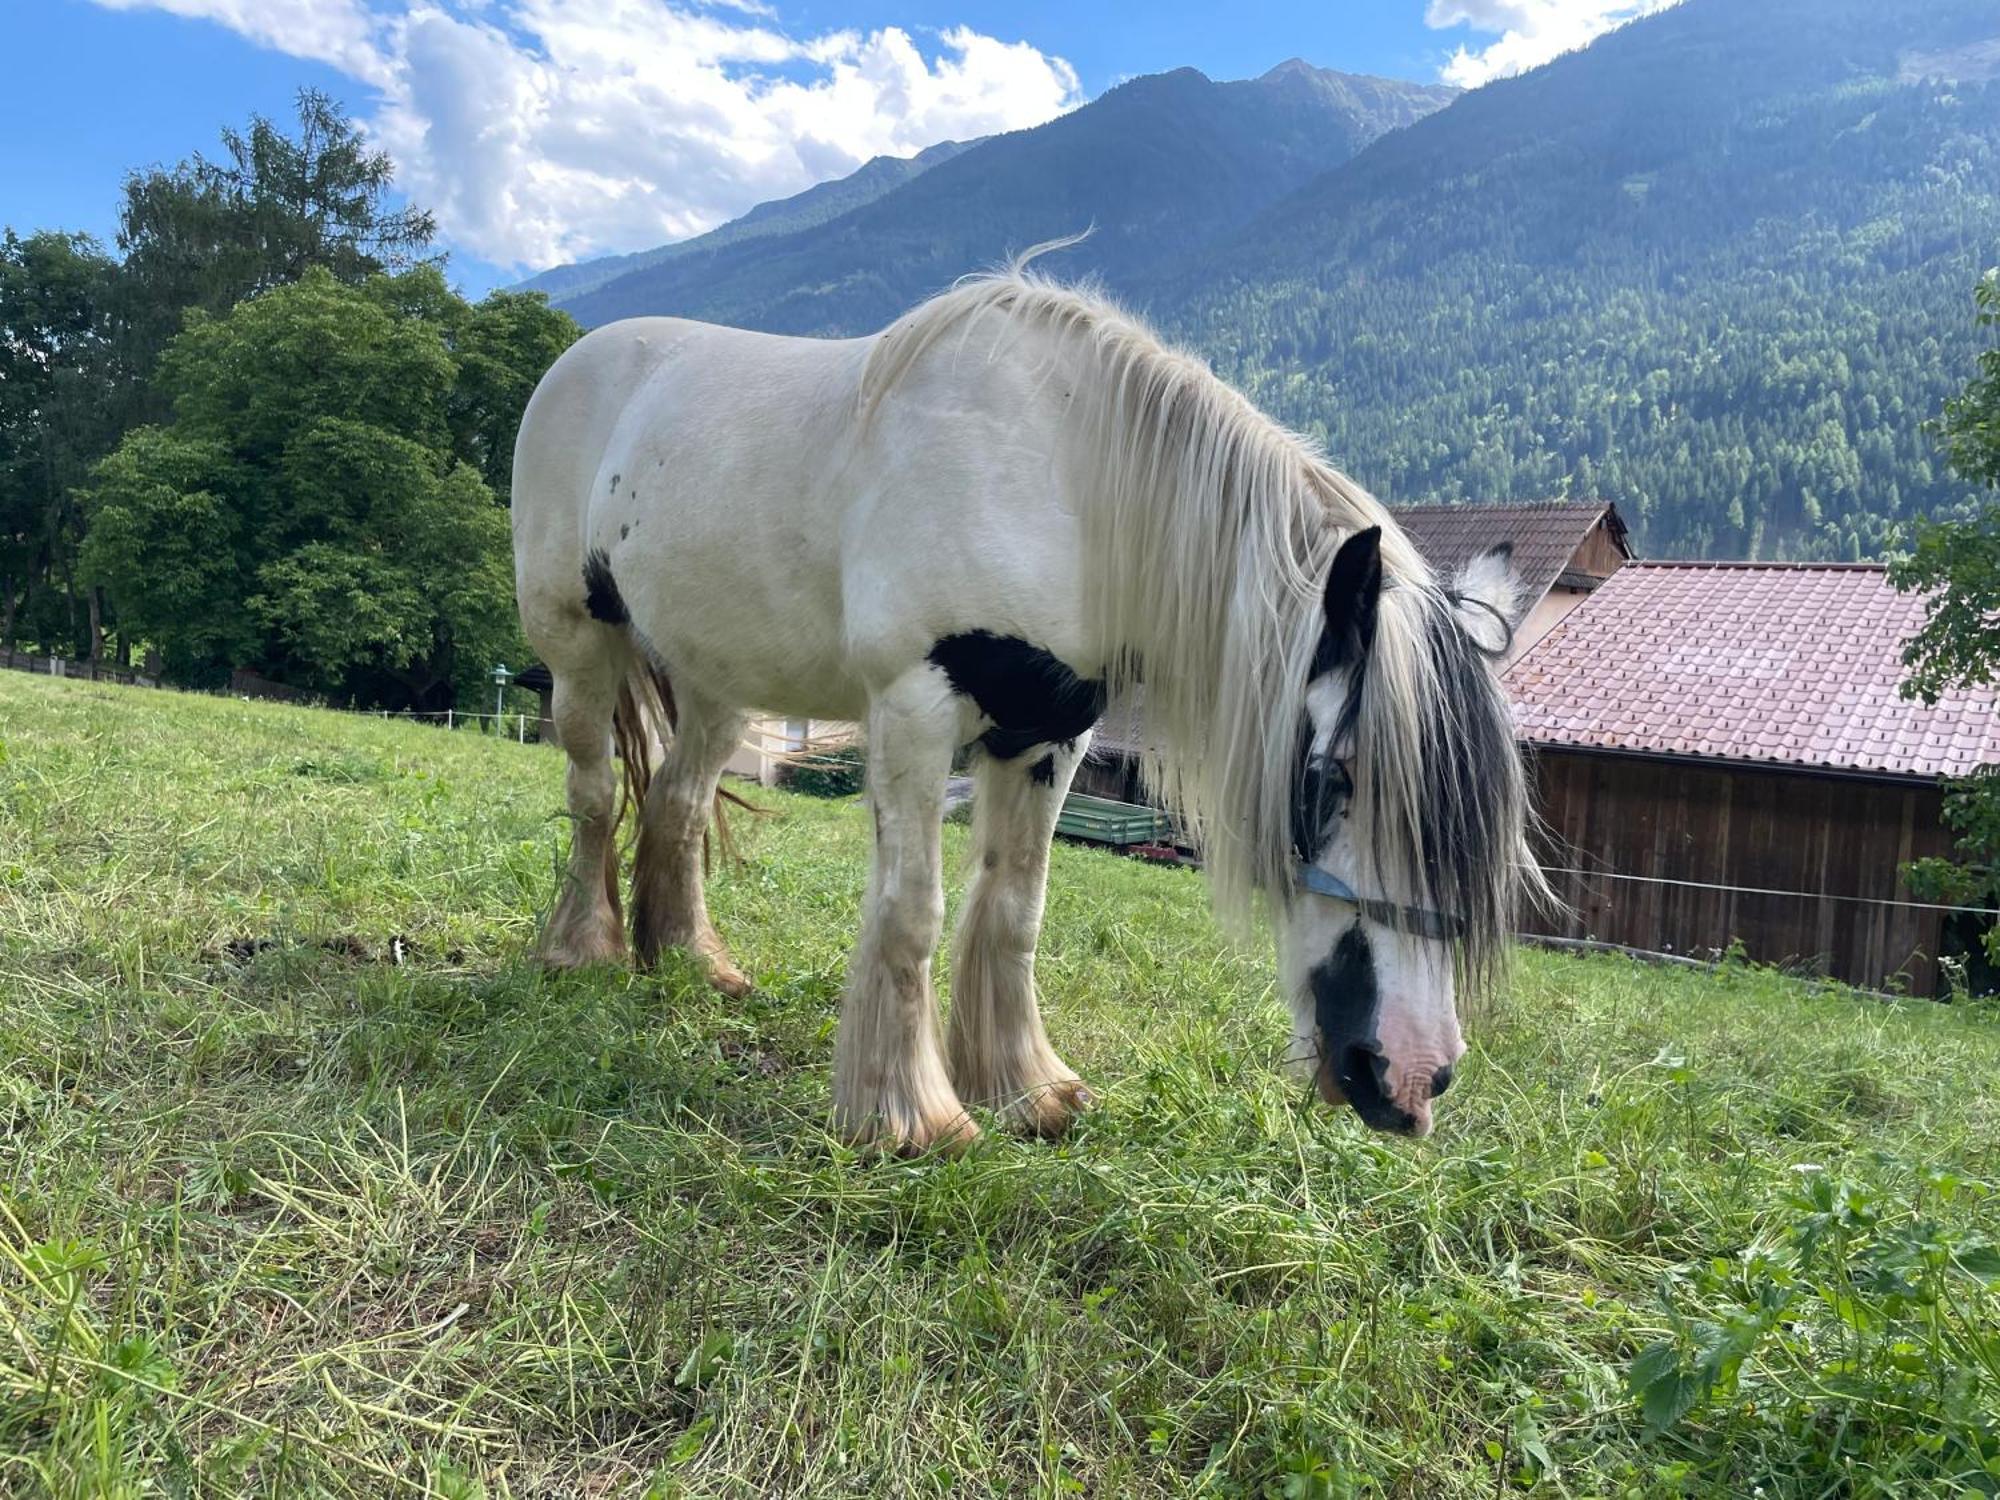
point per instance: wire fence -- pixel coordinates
(785, 746)
(452, 718)
(1754, 890)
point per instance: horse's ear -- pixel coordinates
(1353, 595)
(1488, 594)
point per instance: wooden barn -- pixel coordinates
(1723, 756)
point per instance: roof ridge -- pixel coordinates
(1491, 505)
(1747, 564)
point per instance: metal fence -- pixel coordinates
(60, 666)
(525, 728)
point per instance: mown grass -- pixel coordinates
(285, 1216)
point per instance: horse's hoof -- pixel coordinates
(949, 1136)
(1048, 1112)
(581, 953)
(730, 981)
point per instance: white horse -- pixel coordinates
(977, 526)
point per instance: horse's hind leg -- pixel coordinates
(585, 927)
(890, 1087)
(668, 908)
(999, 1053)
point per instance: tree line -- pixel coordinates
(265, 435)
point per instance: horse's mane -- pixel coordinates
(1210, 531)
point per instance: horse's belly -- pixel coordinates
(730, 634)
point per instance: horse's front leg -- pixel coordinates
(1000, 1055)
(889, 1081)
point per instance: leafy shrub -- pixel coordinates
(1865, 1320)
(829, 773)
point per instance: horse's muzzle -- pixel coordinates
(1358, 1075)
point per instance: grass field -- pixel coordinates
(284, 1215)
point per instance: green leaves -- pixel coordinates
(1666, 1391)
(1673, 1377)
(1867, 1313)
(1956, 566)
(300, 398)
(315, 510)
(706, 1360)
(1971, 425)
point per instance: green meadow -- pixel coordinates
(312, 1183)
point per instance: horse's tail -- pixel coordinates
(644, 719)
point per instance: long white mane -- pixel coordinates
(1210, 531)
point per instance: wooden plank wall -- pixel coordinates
(1774, 829)
(1110, 775)
(1598, 555)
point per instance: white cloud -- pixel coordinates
(337, 32)
(1530, 31)
(547, 130)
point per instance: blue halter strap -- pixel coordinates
(1437, 925)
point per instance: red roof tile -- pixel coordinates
(1797, 664)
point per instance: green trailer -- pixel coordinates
(1099, 820)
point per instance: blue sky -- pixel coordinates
(550, 130)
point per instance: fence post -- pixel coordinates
(448, 718)
(521, 729)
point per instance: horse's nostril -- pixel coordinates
(1362, 1070)
(1364, 1083)
(1440, 1081)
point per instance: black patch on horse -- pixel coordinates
(600, 590)
(1321, 790)
(1345, 1002)
(1031, 696)
(1043, 771)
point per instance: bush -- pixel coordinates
(829, 773)
(1864, 1322)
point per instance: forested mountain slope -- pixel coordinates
(1717, 268)
(1161, 166)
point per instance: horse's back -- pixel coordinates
(771, 543)
(634, 385)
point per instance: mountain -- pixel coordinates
(1161, 166)
(1716, 268)
(816, 205)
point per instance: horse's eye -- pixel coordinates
(1325, 786)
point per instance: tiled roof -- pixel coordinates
(1794, 664)
(1545, 534)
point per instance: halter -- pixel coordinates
(1438, 925)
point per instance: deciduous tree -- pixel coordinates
(55, 420)
(316, 507)
(1957, 565)
(208, 233)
